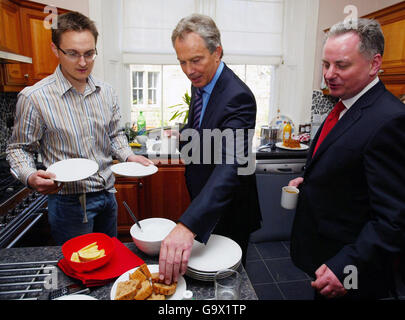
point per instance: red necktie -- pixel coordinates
(330, 122)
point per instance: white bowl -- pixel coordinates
(154, 230)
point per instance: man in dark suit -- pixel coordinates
(350, 218)
(224, 200)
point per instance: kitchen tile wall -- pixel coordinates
(7, 114)
(321, 104)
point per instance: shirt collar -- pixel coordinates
(351, 101)
(64, 85)
(210, 86)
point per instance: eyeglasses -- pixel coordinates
(73, 55)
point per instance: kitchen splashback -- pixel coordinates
(321, 104)
(7, 115)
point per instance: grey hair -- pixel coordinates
(202, 25)
(369, 32)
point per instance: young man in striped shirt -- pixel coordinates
(68, 115)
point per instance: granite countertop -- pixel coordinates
(277, 153)
(202, 290)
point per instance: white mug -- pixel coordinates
(289, 197)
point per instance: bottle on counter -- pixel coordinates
(287, 130)
(141, 124)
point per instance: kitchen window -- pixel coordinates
(157, 88)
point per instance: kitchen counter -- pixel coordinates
(202, 290)
(270, 154)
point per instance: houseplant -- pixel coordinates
(181, 111)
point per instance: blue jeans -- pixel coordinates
(65, 215)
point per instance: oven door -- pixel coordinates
(30, 229)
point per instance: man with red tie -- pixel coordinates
(349, 225)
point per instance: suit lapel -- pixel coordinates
(348, 119)
(344, 124)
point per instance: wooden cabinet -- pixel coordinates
(131, 191)
(23, 32)
(392, 20)
(11, 41)
(162, 195)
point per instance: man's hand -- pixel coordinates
(327, 284)
(175, 252)
(140, 159)
(296, 182)
(43, 182)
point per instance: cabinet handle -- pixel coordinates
(381, 71)
(140, 185)
(26, 75)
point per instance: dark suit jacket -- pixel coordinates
(351, 208)
(221, 198)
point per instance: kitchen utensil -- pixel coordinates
(131, 214)
(178, 295)
(264, 134)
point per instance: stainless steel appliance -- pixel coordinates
(272, 173)
(23, 213)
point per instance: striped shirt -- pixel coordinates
(60, 123)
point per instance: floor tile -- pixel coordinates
(285, 270)
(297, 290)
(268, 292)
(270, 250)
(258, 272)
(252, 253)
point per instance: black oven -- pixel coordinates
(23, 213)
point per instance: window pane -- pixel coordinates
(152, 79)
(140, 79)
(152, 96)
(137, 96)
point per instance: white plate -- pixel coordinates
(76, 297)
(178, 295)
(303, 147)
(75, 169)
(219, 253)
(133, 169)
(203, 276)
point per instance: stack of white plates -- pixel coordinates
(219, 253)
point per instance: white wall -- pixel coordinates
(295, 74)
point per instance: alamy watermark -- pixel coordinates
(351, 21)
(351, 281)
(215, 146)
(51, 20)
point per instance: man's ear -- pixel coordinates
(218, 52)
(54, 50)
(375, 64)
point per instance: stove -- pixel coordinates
(23, 212)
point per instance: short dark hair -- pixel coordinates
(73, 21)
